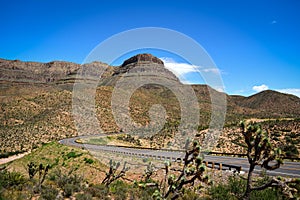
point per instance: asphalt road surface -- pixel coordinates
(289, 169)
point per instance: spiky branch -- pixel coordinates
(113, 173)
(192, 170)
(42, 171)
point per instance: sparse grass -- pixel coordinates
(98, 141)
(60, 156)
(235, 187)
(117, 139)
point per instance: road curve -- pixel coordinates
(289, 169)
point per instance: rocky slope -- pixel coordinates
(36, 101)
(270, 102)
(15, 70)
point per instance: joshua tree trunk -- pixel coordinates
(249, 183)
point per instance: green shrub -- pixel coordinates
(11, 179)
(140, 193)
(235, 188)
(88, 161)
(99, 190)
(68, 182)
(236, 185)
(69, 189)
(232, 190)
(290, 150)
(288, 139)
(84, 197)
(73, 154)
(221, 192)
(119, 189)
(190, 195)
(13, 195)
(267, 194)
(49, 193)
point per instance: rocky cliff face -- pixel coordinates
(139, 65)
(15, 70)
(142, 58)
(35, 72)
(145, 64)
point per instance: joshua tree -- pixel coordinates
(42, 170)
(32, 170)
(192, 170)
(112, 174)
(149, 171)
(260, 152)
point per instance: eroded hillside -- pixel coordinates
(36, 110)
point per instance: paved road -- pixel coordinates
(291, 169)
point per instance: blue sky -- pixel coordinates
(255, 44)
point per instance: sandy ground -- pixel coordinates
(11, 158)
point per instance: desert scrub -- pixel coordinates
(73, 154)
(88, 160)
(83, 196)
(11, 179)
(99, 191)
(119, 189)
(235, 188)
(69, 182)
(49, 193)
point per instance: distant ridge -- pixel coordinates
(16, 70)
(271, 102)
(264, 104)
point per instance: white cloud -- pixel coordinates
(180, 69)
(274, 22)
(213, 70)
(294, 91)
(259, 88)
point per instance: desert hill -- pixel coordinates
(36, 101)
(270, 101)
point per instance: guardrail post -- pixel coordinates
(220, 166)
(239, 169)
(213, 165)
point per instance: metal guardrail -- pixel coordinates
(227, 154)
(209, 164)
(245, 155)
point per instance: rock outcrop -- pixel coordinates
(146, 57)
(18, 71)
(145, 64)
